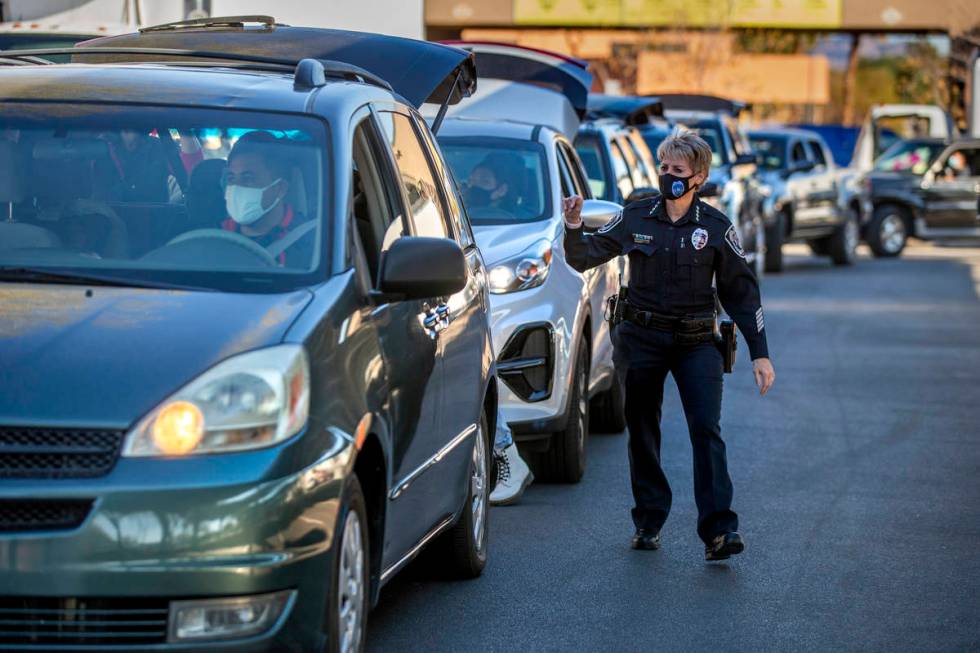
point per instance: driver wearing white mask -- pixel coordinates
(256, 186)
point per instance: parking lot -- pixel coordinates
(856, 482)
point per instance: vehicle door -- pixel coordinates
(798, 183)
(951, 193)
(463, 336)
(420, 496)
(603, 280)
(823, 188)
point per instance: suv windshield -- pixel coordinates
(184, 197)
(772, 151)
(913, 157)
(503, 180)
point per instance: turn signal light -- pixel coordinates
(178, 428)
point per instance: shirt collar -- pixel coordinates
(659, 211)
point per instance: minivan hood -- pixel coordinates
(499, 242)
(68, 359)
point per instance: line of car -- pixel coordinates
(282, 434)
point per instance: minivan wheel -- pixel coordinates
(842, 246)
(608, 410)
(887, 232)
(564, 461)
(775, 235)
(462, 551)
(347, 618)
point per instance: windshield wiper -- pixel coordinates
(19, 273)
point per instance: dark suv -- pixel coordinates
(247, 372)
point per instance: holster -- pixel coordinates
(727, 342)
(616, 307)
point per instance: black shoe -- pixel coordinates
(646, 540)
(724, 547)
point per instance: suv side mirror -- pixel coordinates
(597, 213)
(709, 189)
(746, 159)
(421, 268)
(642, 193)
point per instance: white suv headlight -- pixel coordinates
(526, 270)
(249, 401)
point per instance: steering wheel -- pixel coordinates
(230, 237)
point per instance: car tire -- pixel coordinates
(775, 235)
(564, 461)
(461, 552)
(887, 233)
(349, 589)
(608, 410)
(842, 246)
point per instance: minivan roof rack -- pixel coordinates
(301, 69)
(204, 23)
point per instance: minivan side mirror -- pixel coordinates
(415, 267)
(709, 189)
(642, 193)
(597, 213)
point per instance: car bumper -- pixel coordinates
(186, 529)
(511, 316)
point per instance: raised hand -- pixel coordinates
(571, 210)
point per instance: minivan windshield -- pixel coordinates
(503, 180)
(162, 196)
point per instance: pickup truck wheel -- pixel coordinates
(775, 235)
(461, 552)
(564, 461)
(842, 246)
(609, 409)
(887, 232)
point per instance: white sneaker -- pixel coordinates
(513, 477)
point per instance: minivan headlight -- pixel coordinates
(249, 401)
(528, 269)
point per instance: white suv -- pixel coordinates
(509, 150)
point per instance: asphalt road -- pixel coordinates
(857, 480)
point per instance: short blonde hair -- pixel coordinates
(687, 145)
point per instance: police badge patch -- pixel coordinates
(699, 238)
(731, 237)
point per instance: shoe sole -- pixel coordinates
(726, 552)
(517, 496)
(646, 548)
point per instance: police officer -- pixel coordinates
(676, 245)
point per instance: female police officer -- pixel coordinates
(676, 244)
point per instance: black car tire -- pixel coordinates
(887, 232)
(564, 461)
(608, 410)
(775, 235)
(352, 510)
(842, 246)
(461, 552)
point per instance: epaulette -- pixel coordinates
(642, 205)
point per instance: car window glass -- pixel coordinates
(502, 180)
(772, 151)
(225, 200)
(798, 153)
(909, 156)
(591, 157)
(428, 214)
(567, 186)
(579, 183)
(644, 159)
(621, 170)
(377, 223)
(457, 212)
(816, 153)
(637, 177)
(963, 163)
(712, 137)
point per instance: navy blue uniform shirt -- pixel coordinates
(672, 264)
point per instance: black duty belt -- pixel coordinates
(689, 329)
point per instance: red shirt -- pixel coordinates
(276, 233)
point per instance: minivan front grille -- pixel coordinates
(79, 621)
(17, 515)
(57, 453)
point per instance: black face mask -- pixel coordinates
(476, 196)
(673, 187)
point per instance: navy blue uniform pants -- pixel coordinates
(643, 358)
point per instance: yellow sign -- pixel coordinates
(815, 14)
(568, 12)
